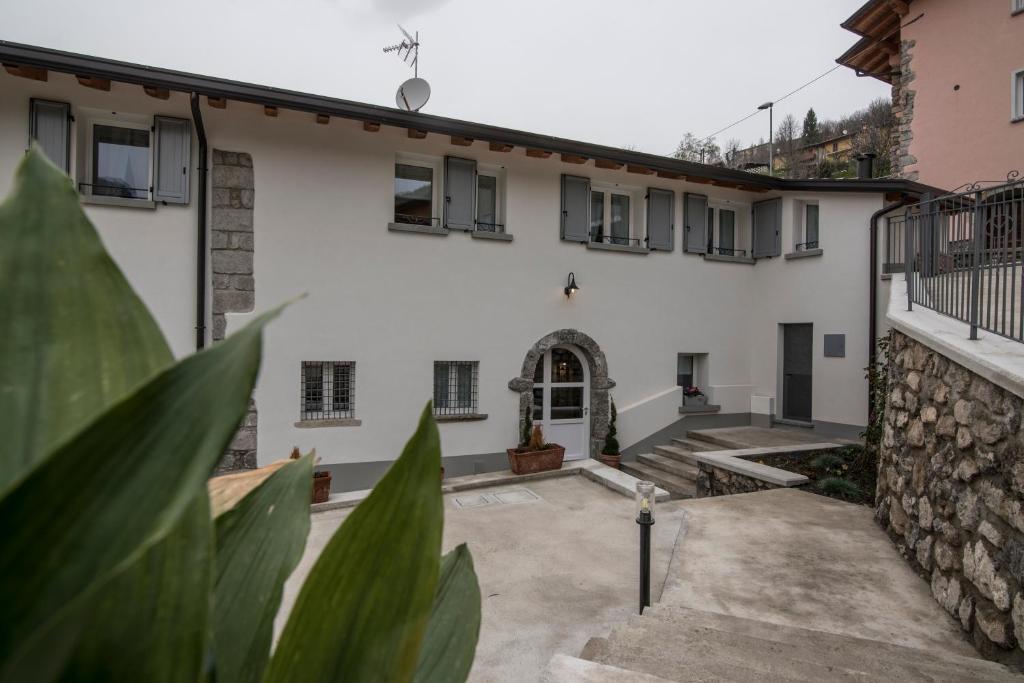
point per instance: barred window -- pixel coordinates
(328, 390)
(455, 387)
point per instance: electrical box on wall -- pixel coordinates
(835, 346)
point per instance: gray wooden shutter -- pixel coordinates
(172, 159)
(695, 218)
(660, 212)
(459, 193)
(767, 226)
(50, 126)
(575, 208)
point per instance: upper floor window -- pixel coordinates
(807, 232)
(455, 387)
(414, 193)
(723, 226)
(611, 217)
(119, 161)
(327, 390)
(1018, 94)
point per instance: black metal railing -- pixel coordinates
(729, 251)
(616, 239)
(111, 190)
(892, 261)
(409, 219)
(964, 256)
(805, 246)
(490, 227)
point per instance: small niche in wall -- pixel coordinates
(835, 346)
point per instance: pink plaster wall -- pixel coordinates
(964, 135)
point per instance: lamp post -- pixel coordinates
(645, 518)
(770, 106)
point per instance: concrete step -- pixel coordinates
(664, 636)
(677, 486)
(677, 453)
(694, 445)
(566, 669)
(715, 441)
(670, 465)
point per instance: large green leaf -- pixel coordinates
(259, 542)
(118, 486)
(446, 655)
(74, 337)
(362, 611)
(149, 622)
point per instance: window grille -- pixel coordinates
(455, 387)
(327, 390)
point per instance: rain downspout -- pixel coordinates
(197, 118)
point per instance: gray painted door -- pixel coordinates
(767, 225)
(575, 208)
(172, 160)
(797, 341)
(695, 218)
(459, 193)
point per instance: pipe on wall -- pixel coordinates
(197, 118)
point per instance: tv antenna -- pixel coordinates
(408, 50)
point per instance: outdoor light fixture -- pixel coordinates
(645, 518)
(570, 286)
(770, 106)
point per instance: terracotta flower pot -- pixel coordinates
(610, 460)
(522, 461)
(321, 487)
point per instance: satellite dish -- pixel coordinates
(412, 94)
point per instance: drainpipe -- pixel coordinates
(197, 118)
(873, 290)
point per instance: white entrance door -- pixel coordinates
(561, 400)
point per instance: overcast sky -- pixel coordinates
(638, 73)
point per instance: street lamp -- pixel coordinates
(771, 153)
(645, 518)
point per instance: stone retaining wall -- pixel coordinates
(232, 247)
(951, 488)
(716, 481)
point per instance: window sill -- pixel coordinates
(421, 229)
(1017, 119)
(118, 201)
(465, 417)
(342, 422)
(729, 259)
(628, 248)
(488, 235)
(808, 253)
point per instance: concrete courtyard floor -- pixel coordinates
(563, 568)
(553, 572)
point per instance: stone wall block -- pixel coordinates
(996, 626)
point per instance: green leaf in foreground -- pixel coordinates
(74, 336)
(150, 621)
(363, 609)
(259, 543)
(118, 486)
(450, 641)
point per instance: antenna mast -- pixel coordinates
(408, 48)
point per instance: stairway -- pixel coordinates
(676, 643)
(671, 467)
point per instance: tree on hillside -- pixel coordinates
(701, 151)
(810, 132)
(872, 132)
(786, 146)
(732, 147)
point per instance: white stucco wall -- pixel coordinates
(396, 302)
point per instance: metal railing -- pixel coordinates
(489, 227)
(804, 246)
(615, 239)
(410, 219)
(893, 259)
(728, 251)
(964, 256)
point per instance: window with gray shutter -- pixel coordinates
(50, 127)
(695, 218)
(767, 225)
(459, 193)
(575, 208)
(172, 159)
(660, 212)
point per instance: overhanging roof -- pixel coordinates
(878, 24)
(16, 54)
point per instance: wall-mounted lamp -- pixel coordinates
(570, 286)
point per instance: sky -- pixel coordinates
(639, 73)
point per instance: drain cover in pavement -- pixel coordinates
(507, 497)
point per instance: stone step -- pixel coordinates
(670, 465)
(788, 650)
(716, 442)
(566, 669)
(677, 453)
(677, 486)
(694, 445)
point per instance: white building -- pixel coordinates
(435, 254)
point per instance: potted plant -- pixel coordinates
(610, 453)
(693, 396)
(533, 455)
(321, 480)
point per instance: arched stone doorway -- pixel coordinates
(599, 380)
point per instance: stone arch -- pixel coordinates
(600, 383)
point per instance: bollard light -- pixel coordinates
(645, 518)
